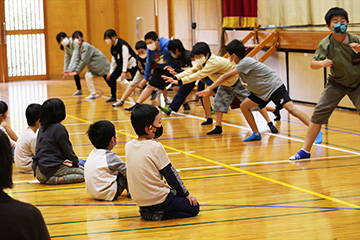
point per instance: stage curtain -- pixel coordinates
(240, 13)
(303, 12)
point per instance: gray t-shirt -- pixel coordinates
(260, 79)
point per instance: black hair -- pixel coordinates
(237, 47)
(333, 12)
(59, 36)
(201, 48)
(100, 133)
(140, 44)
(151, 35)
(32, 113)
(3, 107)
(110, 33)
(52, 111)
(6, 162)
(77, 34)
(143, 116)
(176, 44)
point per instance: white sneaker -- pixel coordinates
(77, 93)
(118, 104)
(91, 97)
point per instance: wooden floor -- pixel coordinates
(246, 190)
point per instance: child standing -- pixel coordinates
(55, 161)
(71, 53)
(147, 162)
(96, 62)
(338, 51)
(138, 80)
(105, 172)
(26, 144)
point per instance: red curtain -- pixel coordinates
(240, 13)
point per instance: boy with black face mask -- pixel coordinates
(147, 162)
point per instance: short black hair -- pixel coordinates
(32, 113)
(335, 11)
(140, 44)
(52, 111)
(151, 35)
(3, 107)
(201, 48)
(237, 47)
(6, 162)
(110, 33)
(100, 133)
(176, 44)
(77, 34)
(143, 116)
(59, 36)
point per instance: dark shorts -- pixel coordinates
(157, 81)
(279, 97)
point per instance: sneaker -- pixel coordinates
(186, 106)
(154, 94)
(319, 139)
(118, 104)
(216, 130)
(253, 137)
(82, 162)
(112, 99)
(208, 121)
(300, 155)
(91, 97)
(77, 93)
(165, 110)
(212, 112)
(277, 114)
(272, 127)
(151, 215)
(131, 108)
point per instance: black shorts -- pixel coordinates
(157, 81)
(279, 97)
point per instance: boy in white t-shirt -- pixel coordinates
(105, 172)
(147, 162)
(26, 144)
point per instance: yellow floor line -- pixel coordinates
(242, 171)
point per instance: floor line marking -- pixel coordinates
(245, 171)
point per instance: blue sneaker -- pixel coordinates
(300, 155)
(82, 162)
(253, 137)
(318, 139)
(186, 106)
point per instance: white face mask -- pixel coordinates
(143, 56)
(77, 41)
(108, 41)
(193, 63)
(200, 61)
(152, 46)
(65, 42)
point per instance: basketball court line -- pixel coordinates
(244, 171)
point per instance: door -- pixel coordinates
(22, 40)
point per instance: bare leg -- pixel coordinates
(270, 109)
(265, 114)
(218, 117)
(311, 135)
(145, 94)
(127, 92)
(245, 106)
(207, 107)
(290, 107)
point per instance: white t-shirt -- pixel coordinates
(101, 171)
(25, 151)
(144, 160)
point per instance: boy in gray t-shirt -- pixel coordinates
(264, 84)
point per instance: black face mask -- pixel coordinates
(159, 131)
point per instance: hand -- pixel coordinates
(192, 200)
(204, 93)
(171, 70)
(73, 73)
(108, 77)
(355, 46)
(67, 163)
(169, 80)
(123, 76)
(81, 167)
(327, 63)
